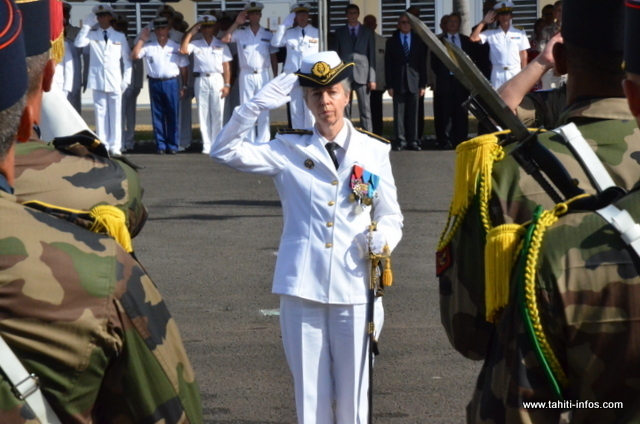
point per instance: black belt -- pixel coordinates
(161, 79)
(202, 74)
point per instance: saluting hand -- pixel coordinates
(145, 34)
(90, 20)
(241, 18)
(490, 17)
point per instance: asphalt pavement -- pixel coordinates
(210, 244)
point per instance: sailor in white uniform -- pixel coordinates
(323, 268)
(212, 76)
(255, 56)
(508, 44)
(107, 78)
(300, 40)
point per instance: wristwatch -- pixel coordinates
(184, 87)
(227, 85)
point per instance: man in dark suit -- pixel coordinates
(356, 43)
(451, 118)
(406, 78)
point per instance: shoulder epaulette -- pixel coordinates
(294, 131)
(519, 27)
(376, 136)
(81, 144)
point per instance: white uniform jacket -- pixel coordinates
(105, 73)
(297, 45)
(323, 254)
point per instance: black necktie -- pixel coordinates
(453, 39)
(331, 148)
(106, 37)
(302, 32)
(353, 35)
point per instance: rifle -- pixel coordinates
(484, 102)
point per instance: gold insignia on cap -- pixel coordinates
(100, 7)
(321, 70)
(206, 19)
(253, 4)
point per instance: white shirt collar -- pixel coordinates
(342, 139)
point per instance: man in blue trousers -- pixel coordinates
(167, 74)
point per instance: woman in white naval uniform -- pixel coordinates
(508, 45)
(212, 75)
(323, 268)
(107, 48)
(255, 56)
(301, 40)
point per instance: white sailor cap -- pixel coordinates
(503, 7)
(102, 9)
(300, 7)
(253, 6)
(207, 20)
(160, 22)
(323, 69)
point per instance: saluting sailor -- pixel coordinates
(300, 40)
(333, 181)
(508, 44)
(106, 78)
(212, 76)
(255, 55)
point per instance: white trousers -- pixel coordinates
(301, 116)
(250, 84)
(326, 346)
(210, 107)
(500, 75)
(108, 112)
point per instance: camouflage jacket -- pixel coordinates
(609, 128)
(587, 286)
(82, 315)
(61, 178)
(542, 108)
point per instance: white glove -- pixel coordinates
(288, 21)
(377, 242)
(274, 94)
(123, 86)
(90, 20)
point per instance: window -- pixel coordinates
(392, 9)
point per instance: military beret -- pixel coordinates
(36, 25)
(596, 25)
(323, 69)
(102, 9)
(253, 6)
(13, 71)
(632, 36)
(300, 7)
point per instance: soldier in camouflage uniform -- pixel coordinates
(506, 194)
(76, 309)
(69, 175)
(569, 337)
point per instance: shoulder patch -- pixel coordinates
(372, 135)
(81, 144)
(294, 131)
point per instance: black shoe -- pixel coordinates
(160, 152)
(171, 152)
(398, 147)
(415, 147)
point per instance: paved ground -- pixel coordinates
(210, 245)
